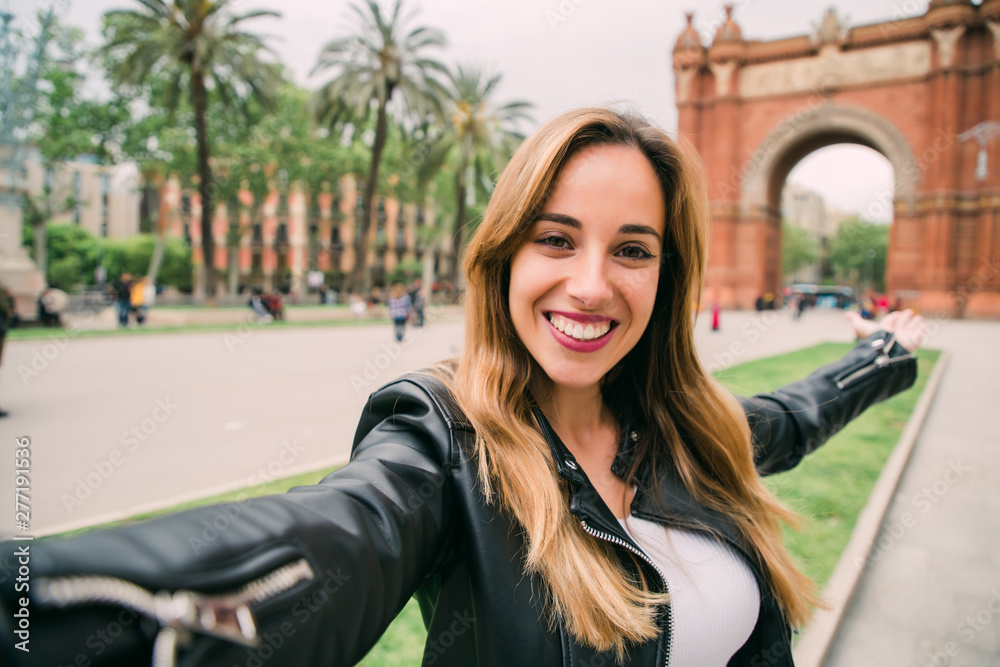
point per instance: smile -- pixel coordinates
(581, 331)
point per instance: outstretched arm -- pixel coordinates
(796, 419)
(310, 577)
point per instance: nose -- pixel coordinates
(589, 281)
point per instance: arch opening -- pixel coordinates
(836, 207)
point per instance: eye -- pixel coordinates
(554, 241)
(635, 252)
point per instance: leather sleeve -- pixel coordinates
(796, 419)
(369, 531)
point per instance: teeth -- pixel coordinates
(577, 330)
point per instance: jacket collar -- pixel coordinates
(678, 508)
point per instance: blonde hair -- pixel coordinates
(694, 426)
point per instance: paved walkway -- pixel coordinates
(930, 595)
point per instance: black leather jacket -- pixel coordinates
(314, 576)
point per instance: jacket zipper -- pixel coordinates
(226, 616)
(608, 537)
(881, 361)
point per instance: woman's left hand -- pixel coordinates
(909, 328)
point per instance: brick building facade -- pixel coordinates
(908, 88)
(276, 240)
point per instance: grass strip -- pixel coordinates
(42, 333)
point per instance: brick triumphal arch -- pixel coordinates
(924, 91)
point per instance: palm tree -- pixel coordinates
(197, 45)
(481, 139)
(381, 57)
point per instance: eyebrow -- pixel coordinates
(570, 221)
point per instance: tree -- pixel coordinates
(197, 45)
(370, 66)
(798, 249)
(74, 255)
(481, 138)
(133, 255)
(849, 252)
(66, 126)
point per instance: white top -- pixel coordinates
(714, 597)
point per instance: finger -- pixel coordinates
(919, 325)
(890, 321)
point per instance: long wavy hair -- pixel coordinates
(692, 425)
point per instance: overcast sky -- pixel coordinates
(561, 54)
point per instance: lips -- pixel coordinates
(592, 329)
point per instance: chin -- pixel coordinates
(574, 378)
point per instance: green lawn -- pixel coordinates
(828, 489)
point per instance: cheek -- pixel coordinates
(639, 290)
(520, 295)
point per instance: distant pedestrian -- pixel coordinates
(257, 306)
(881, 305)
(417, 300)
(716, 313)
(275, 305)
(373, 300)
(357, 305)
(51, 303)
(138, 299)
(123, 297)
(399, 309)
(7, 313)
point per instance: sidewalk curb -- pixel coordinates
(817, 639)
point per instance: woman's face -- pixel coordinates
(583, 283)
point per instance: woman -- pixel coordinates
(574, 490)
(399, 309)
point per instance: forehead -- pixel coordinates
(609, 184)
